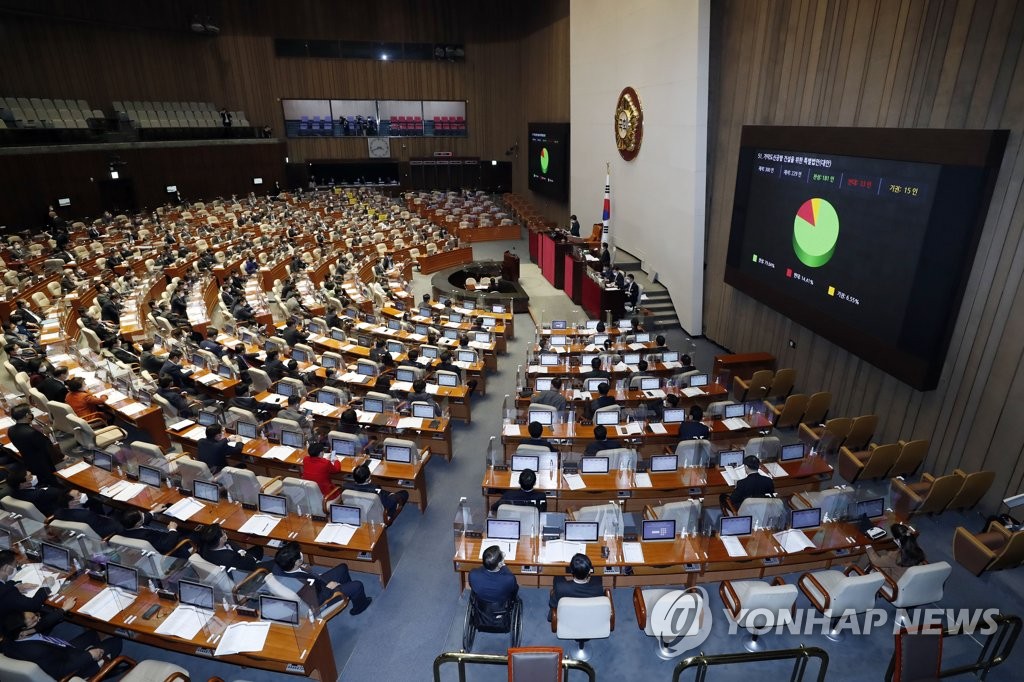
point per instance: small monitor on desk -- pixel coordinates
(423, 411)
(373, 405)
(650, 383)
(422, 329)
(198, 360)
(429, 352)
(490, 322)
(5, 539)
(64, 202)
(338, 334)
(609, 418)
(451, 334)
(343, 513)
(102, 459)
(542, 417)
(730, 458)
(269, 346)
(299, 355)
(801, 519)
(405, 375)
(329, 362)
(207, 418)
(661, 463)
(273, 504)
(444, 300)
(257, 181)
(401, 454)
(872, 509)
(698, 380)
(56, 557)
(550, 360)
(631, 358)
(594, 465)
(291, 439)
(482, 337)
(734, 410)
(246, 429)
(542, 384)
(314, 328)
(341, 446)
(594, 383)
(792, 452)
(674, 415)
(643, 337)
(447, 380)
(592, 324)
(369, 319)
(736, 525)
(599, 339)
(277, 610)
(587, 359)
(395, 346)
(455, 318)
(558, 324)
(670, 356)
(625, 323)
(208, 492)
(195, 594)
(394, 325)
(467, 356)
(149, 475)
(366, 370)
(498, 308)
(581, 531)
(123, 577)
(559, 340)
(284, 388)
(425, 311)
(399, 306)
(327, 398)
(502, 529)
(658, 529)
(226, 371)
(523, 462)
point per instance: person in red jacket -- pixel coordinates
(317, 469)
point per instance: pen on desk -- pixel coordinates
(303, 653)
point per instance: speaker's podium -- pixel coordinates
(510, 267)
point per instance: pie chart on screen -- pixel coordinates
(815, 232)
(544, 160)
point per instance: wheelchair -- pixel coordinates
(487, 617)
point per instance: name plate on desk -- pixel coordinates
(204, 651)
(625, 493)
(691, 568)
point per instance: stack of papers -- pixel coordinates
(658, 428)
(37, 574)
(107, 604)
(555, 551)
(432, 389)
(733, 546)
(774, 470)
(259, 524)
(620, 367)
(185, 622)
(632, 553)
(510, 430)
(538, 369)
(630, 429)
(239, 637)
(208, 379)
(507, 547)
(76, 468)
(671, 365)
(177, 426)
(734, 474)
(336, 533)
(281, 452)
(793, 541)
(692, 391)
(574, 481)
(123, 490)
(322, 409)
(735, 423)
(113, 395)
(185, 508)
(462, 365)
(642, 480)
(132, 409)
(402, 386)
(409, 423)
(637, 346)
(424, 361)
(196, 433)
(581, 395)
(479, 345)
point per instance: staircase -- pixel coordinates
(656, 296)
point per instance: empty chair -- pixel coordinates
(930, 495)
(836, 593)
(683, 603)
(91, 439)
(260, 380)
(788, 415)
(817, 407)
(861, 431)
(145, 558)
(211, 574)
(976, 484)
(305, 497)
(371, 508)
(755, 605)
(275, 426)
(826, 439)
(910, 456)
(244, 486)
(528, 517)
(693, 453)
(782, 385)
(608, 517)
(765, 512)
(583, 619)
(39, 298)
(190, 470)
(685, 513)
(765, 448)
(995, 549)
(717, 409)
(608, 409)
(754, 388)
(919, 585)
(621, 459)
(833, 502)
(871, 464)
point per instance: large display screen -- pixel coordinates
(865, 236)
(549, 159)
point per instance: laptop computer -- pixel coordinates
(658, 529)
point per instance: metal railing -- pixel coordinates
(799, 657)
(462, 659)
(994, 651)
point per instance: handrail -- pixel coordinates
(461, 658)
(994, 651)
(799, 655)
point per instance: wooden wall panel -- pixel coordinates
(910, 63)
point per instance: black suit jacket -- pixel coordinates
(229, 557)
(275, 369)
(12, 600)
(567, 587)
(215, 453)
(103, 525)
(523, 498)
(35, 451)
(602, 401)
(151, 363)
(493, 587)
(162, 541)
(598, 445)
(689, 430)
(754, 485)
(55, 660)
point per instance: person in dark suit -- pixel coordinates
(574, 226)
(11, 598)
(288, 563)
(35, 448)
(210, 343)
(632, 291)
(73, 509)
(620, 278)
(110, 311)
(553, 397)
(245, 401)
(596, 372)
(292, 334)
(754, 485)
(603, 400)
(217, 550)
(694, 427)
(122, 354)
(46, 498)
(27, 638)
(536, 429)
(582, 584)
(150, 362)
(171, 367)
(274, 368)
(135, 522)
(493, 583)
(175, 397)
(393, 502)
(601, 442)
(606, 256)
(215, 449)
(447, 365)
(526, 496)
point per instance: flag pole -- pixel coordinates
(607, 210)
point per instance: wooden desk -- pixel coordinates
(445, 259)
(742, 365)
(597, 299)
(631, 398)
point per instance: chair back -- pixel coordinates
(782, 384)
(917, 655)
(59, 414)
(943, 489)
(765, 448)
(86, 544)
(277, 588)
(84, 434)
(1011, 555)
(372, 511)
(298, 388)
(236, 414)
(854, 594)
(211, 574)
(607, 515)
(260, 380)
(584, 618)
(861, 431)
(303, 495)
(191, 469)
(277, 424)
(834, 434)
(792, 411)
(15, 670)
(527, 664)
(910, 456)
(920, 585)
(149, 563)
(170, 411)
(716, 410)
(833, 502)
(817, 407)
(767, 512)
(241, 484)
(763, 605)
(974, 488)
(880, 462)
(693, 453)
(607, 409)
(528, 517)
(685, 513)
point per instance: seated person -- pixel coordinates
(582, 584)
(288, 563)
(215, 449)
(172, 369)
(150, 362)
(216, 549)
(694, 427)
(273, 366)
(601, 442)
(895, 562)
(47, 499)
(11, 598)
(419, 394)
(687, 364)
(493, 583)
(349, 423)
(319, 469)
(83, 402)
(210, 343)
(135, 521)
(293, 412)
(552, 397)
(393, 502)
(178, 399)
(526, 495)
(603, 399)
(755, 484)
(596, 372)
(536, 429)
(75, 506)
(27, 638)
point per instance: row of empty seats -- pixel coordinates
(34, 112)
(175, 114)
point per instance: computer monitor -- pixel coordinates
(208, 492)
(343, 513)
(406, 375)
(226, 371)
(542, 417)
(643, 337)
(398, 453)
(366, 370)
(451, 334)
(246, 429)
(581, 531)
(658, 529)
(340, 446)
(329, 362)
(698, 380)
(490, 322)
(395, 347)
(730, 458)
(587, 359)
(299, 355)
(425, 311)
(198, 360)
(448, 380)
(422, 329)
(872, 508)
(523, 462)
(624, 323)
(734, 410)
(650, 383)
(594, 465)
(423, 411)
(592, 324)
(542, 384)
(291, 439)
(631, 358)
(736, 525)
(374, 405)
(270, 346)
(314, 328)
(599, 339)
(123, 577)
(444, 300)
(670, 356)
(502, 529)
(800, 519)
(145, 398)
(674, 415)
(195, 594)
(207, 418)
(550, 360)
(102, 459)
(792, 452)
(55, 557)
(371, 319)
(279, 610)
(273, 504)
(594, 383)
(327, 398)
(284, 388)
(467, 356)
(455, 317)
(498, 308)
(338, 334)
(149, 475)
(429, 352)
(558, 324)
(394, 325)
(398, 306)
(609, 418)
(559, 340)
(664, 463)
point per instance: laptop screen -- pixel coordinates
(523, 462)
(123, 577)
(406, 375)
(594, 384)
(670, 356)
(327, 398)
(625, 324)
(502, 529)
(102, 460)
(490, 322)
(337, 334)
(455, 317)
(198, 360)
(394, 325)
(871, 508)
(805, 518)
(451, 334)
(735, 410)
(543, 384)
(649, 383)
(659, 529)
(279, 610)
(299, 355)
(395, 347)
(559, 340)
(467, 356)
(447, 379)
(592, 324)
(643, 337)
(273, 504)
(365, 369)
(581, 531)
(314, 328)
(482, 337)
(428, 352)
(730, 458)
(423, 411)
(340, 446)
(246, 429)
(792, 452)
(542, 417)
(343, 513)
(549, 359)
(497, 308)
(328, 361)
(664, 463)
(291, 439)
(207, 418)
(606, 418)
(208, 492)
(594, 465)
(558, 324)
(375, 405)
(195, 594)
(599, 339)
(56, 557)
(631, 358)
(284, 388)
(149, 475)
(736, 525)
(425, 311)
(698, 380)
(398, 453)
(225, 371)
(674, 415)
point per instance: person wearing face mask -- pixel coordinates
(35, 448)
(73, 508)
(47, 499)
(288, 563)
(12, 599)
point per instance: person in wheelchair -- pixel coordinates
(493, 582)
(494, 603)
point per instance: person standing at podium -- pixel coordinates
(574, 226)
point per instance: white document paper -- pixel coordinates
(657, 393)
(658, 428)
(178, 425)
(672, 365)
(793, 541)
(185, 622)
(259, 524)
(373, 464)
(432, 389)
(642, 480)
(480, 346)
(774, 470)
(107, 604)
(574, 481)
(735, 423)
(239, 637)
(6, 422)
(632, 552)
(280, 452)
(129, 491)
(410, 423)
(508, 547)
(336, 533)
(630, 429)
(113, 395)
(734, 474)
(692, 391)
(636, 345)
(76, 468)
(36, 575)
(733, 546)
(196, 433)
(556, 551)
(185, 508)
(424, 361)
(402, 386)
(577, 394)
(510, 430)
(132, 409)
(538, 369)
(620, 367)
(322, 409)
(208, 379)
